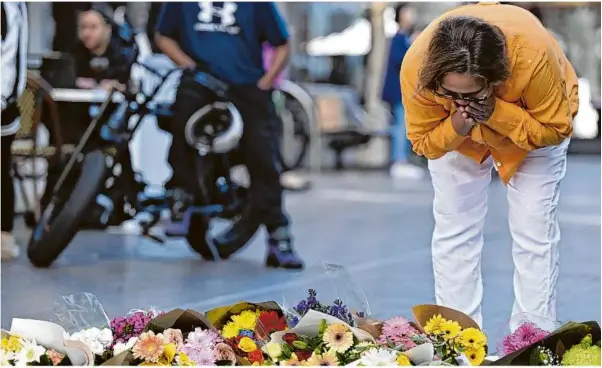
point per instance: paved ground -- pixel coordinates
(380, 232)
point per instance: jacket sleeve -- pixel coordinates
(10, 45)
(428, 124)
(547, 118)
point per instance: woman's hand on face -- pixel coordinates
(462, 122)
(481, 111)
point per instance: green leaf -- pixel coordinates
(534, 359)
(300, 345)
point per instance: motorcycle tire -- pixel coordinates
(48, 242)
(197, 236)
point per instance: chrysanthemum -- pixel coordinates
(472, 338)
(475, 356)
(525, 335)
(433, 325)
(246, 320)
(379, 357)
(149, 347)
(199, 356)
(338, 337)
(329, 358)
(450, 329)
(202, 339)
(230, 330)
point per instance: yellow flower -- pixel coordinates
(433, 325)
(328, 358)
(403, 360)
(184, 360)
(169, 352)
(11, 344)
(293, 361)
(247, 345)
(273, 349)
(472, 338)
(450, 329)
(475, 356)
(245, 320)
(230, 330)
(338, 337)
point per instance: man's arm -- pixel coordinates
(167, 34)
(546, 119)
(10, 46)
(274, 31)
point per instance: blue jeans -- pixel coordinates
(400, 144)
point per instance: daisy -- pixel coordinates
(329, 358)
(450, 329)
(338, 337)
(475, 356)
(230, 330)
(30, 352)
(245, 320)
(433, 325)
(472, 338)
(149, 347)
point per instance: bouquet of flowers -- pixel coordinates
(318, 339)
(381, 356)
(20, 351)
(401, 334)
(179, 337)
(246, 327)
(127, 328)
(572, 344)
(525, 335)
(337, 309)
(98, 340)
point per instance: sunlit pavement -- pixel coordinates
(378, 230)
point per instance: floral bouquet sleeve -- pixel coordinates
(246, 328)
(179, 337)
(572, 344)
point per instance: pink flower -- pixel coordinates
(55, 357)
(200, 355)
(203, 339)
(525, 335)
(399, 331)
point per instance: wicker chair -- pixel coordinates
(30, 160)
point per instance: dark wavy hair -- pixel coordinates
(465, 45)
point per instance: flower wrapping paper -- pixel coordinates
(309, 325)
(184, 320)
(52, 336)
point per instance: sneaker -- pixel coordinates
(180, 214)
(280, 251)
(10, 249)
(293, 182)
(406, 171)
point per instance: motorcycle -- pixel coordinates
(98, 172)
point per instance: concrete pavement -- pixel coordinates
(379, 231)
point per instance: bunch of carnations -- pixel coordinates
(399, 333)
(333, 344)
(336, 309)
(525, 335)
(198, 348)
(19, 351)
(247, 331)
(451, 341)
(130, 326)
(98, 340)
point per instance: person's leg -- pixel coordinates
(533, 217)
(459, 209)
(401, 167)
(9, 248)
(190, 97)
(260, 148)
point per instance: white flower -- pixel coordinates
(5, 356)
(30, 352)
(121, 347)
(96, 339)
(379, 357)
(105, 337)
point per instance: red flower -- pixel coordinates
(303, 355)
(255, 356)
(270, 322)
(289, 338)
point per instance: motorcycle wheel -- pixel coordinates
(59, 222)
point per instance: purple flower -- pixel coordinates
(525, 335)
(337, 309)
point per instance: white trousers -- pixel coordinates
(459, 209)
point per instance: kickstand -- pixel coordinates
(146, 226)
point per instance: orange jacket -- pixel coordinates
(534, 109)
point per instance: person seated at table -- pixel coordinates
(99, 57)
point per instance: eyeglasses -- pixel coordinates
(471, 97)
